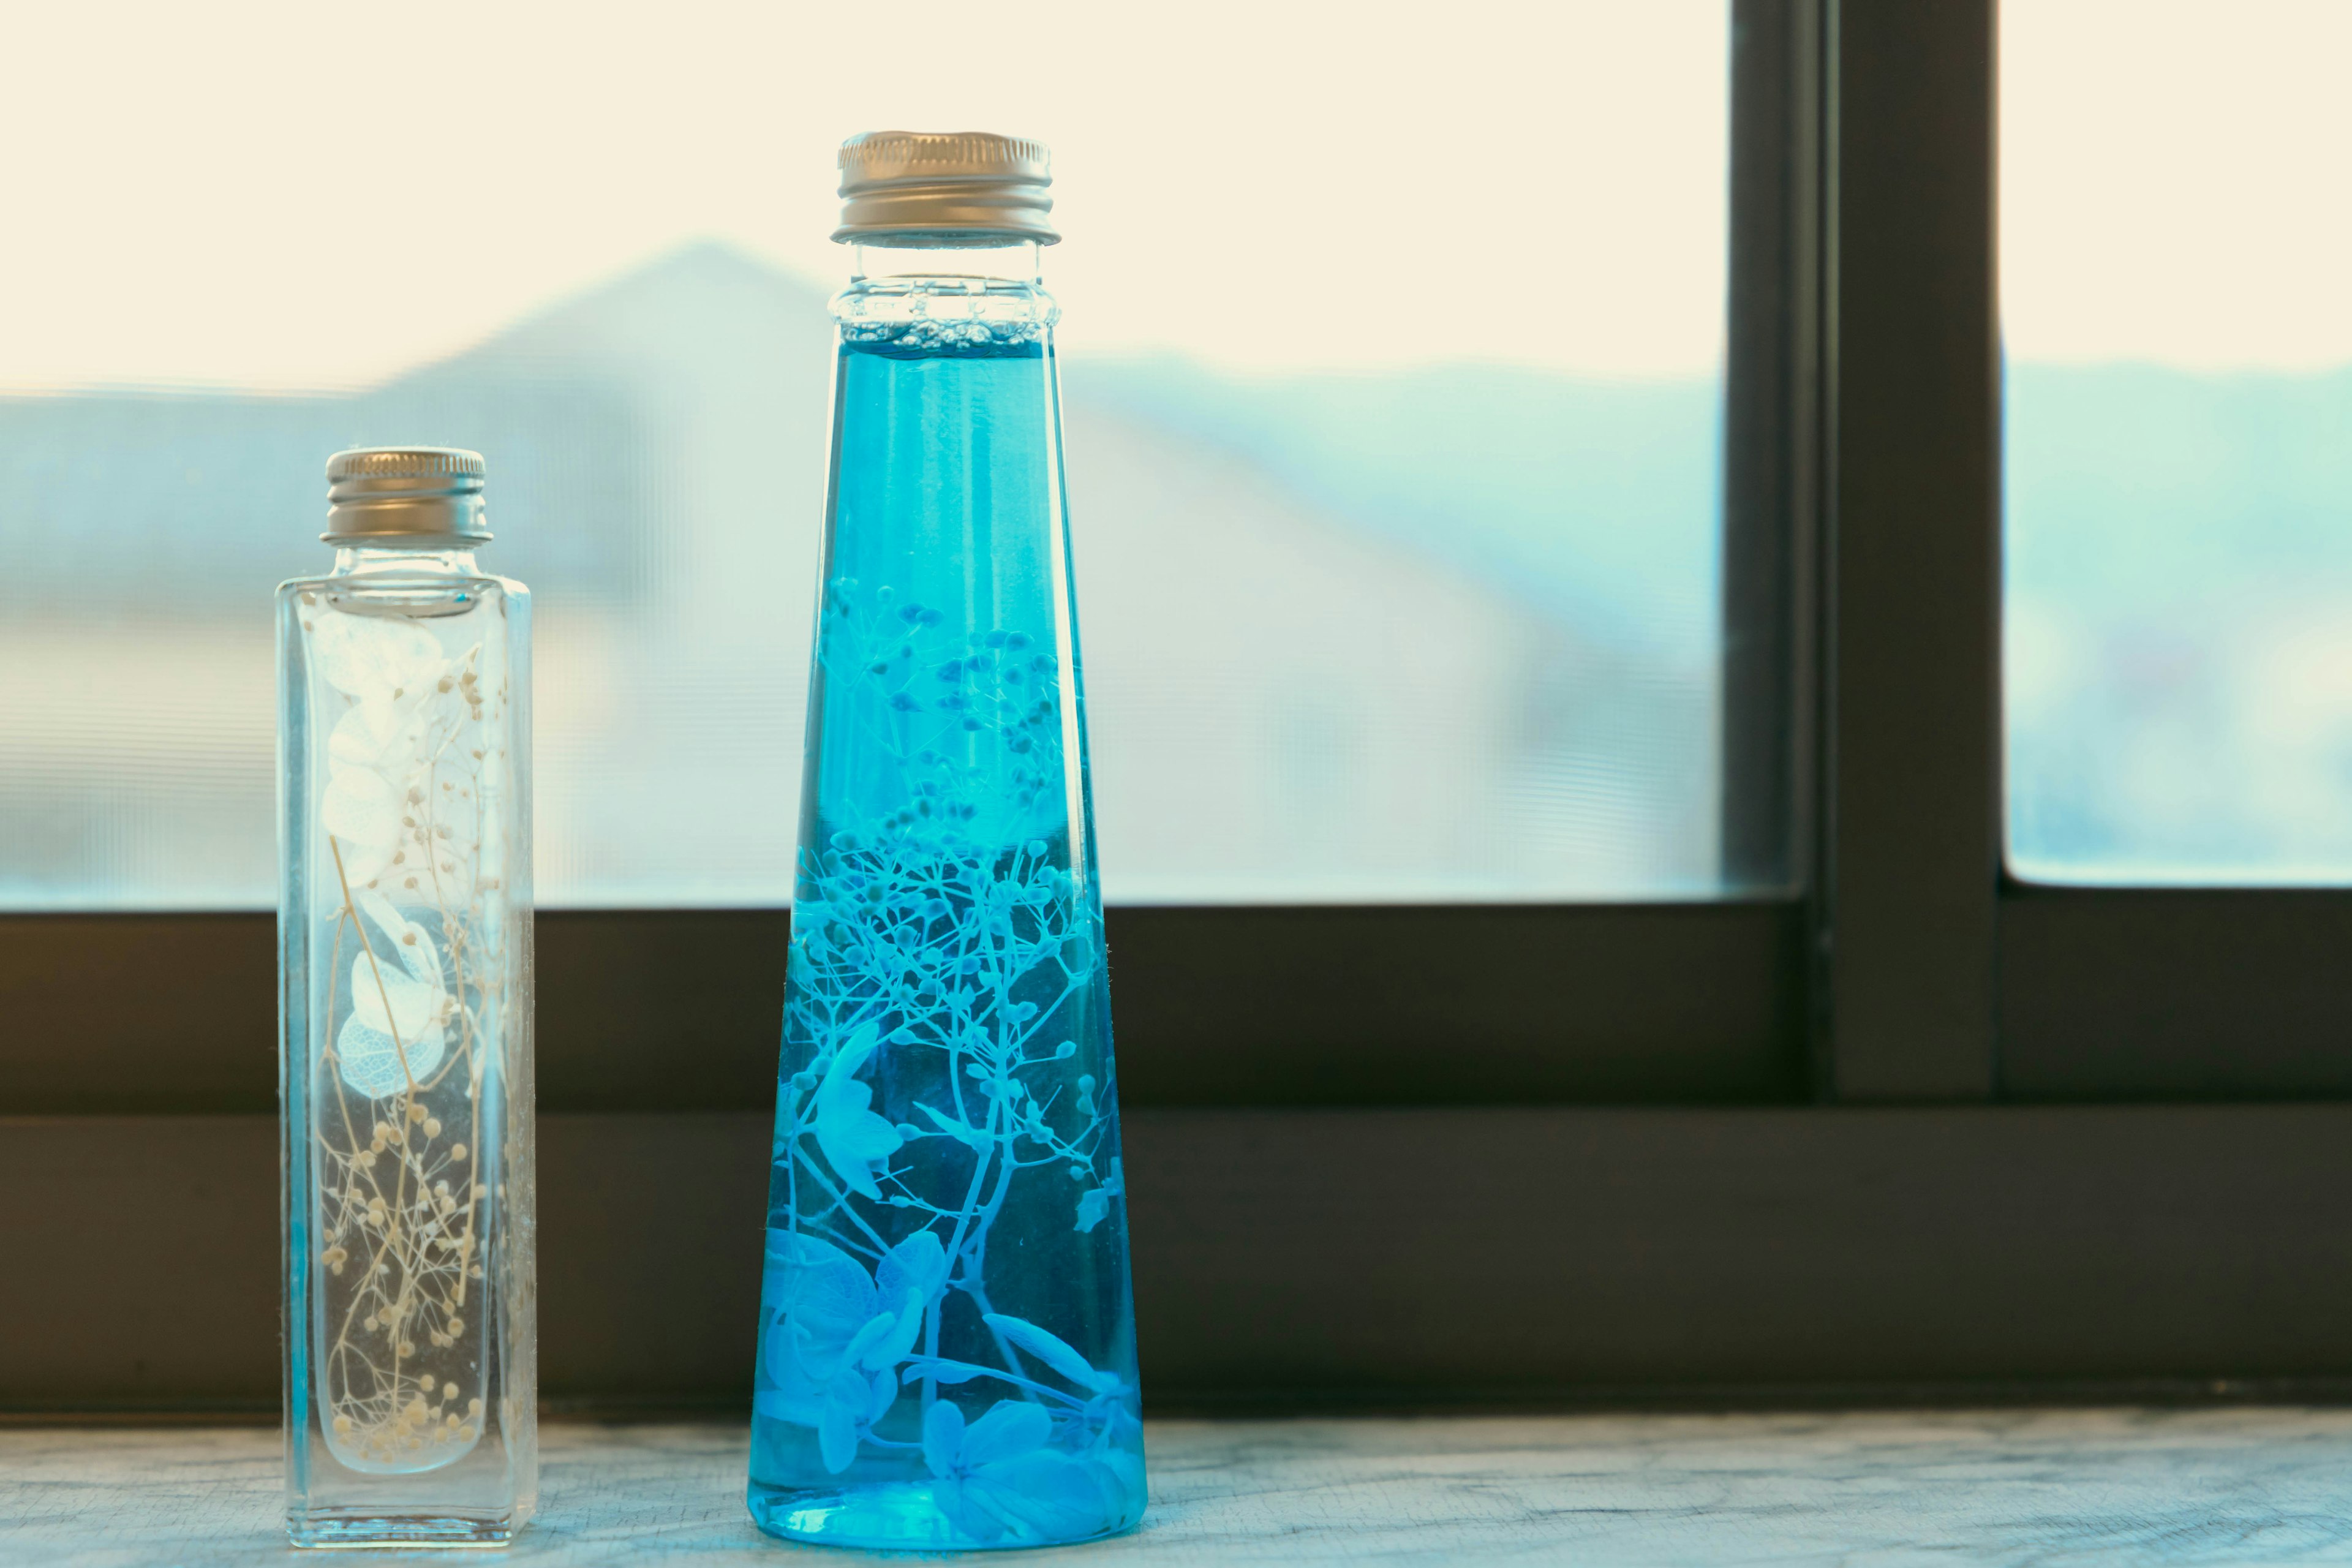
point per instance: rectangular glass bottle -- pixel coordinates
(404, 931)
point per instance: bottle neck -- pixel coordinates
(989, 260)
(946, 297)
(417, 560)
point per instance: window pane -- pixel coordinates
(2176, 246)
(1397, 522)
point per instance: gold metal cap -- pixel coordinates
(406, 493)
(958, 187)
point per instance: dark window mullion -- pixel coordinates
(1911, 689)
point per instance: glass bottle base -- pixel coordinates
(892, 1515)
(358, 1529)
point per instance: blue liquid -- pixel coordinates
(947, 1350)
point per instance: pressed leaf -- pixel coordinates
(386, 996)
(363, 735)
(363, 655)
(360, 807)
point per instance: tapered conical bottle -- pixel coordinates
(946, 1340)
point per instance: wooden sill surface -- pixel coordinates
(2211, 1486)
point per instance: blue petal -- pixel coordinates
(942, 1437)
(955, 1501)
(876, 1331)
(894, 1347)
(1055, 1352)
(797, 1374)
(847, 1164)
(817, 1283)
(881, 1393)
(1047, 1495)
(1011, 1428)
(843, 1097)
(862, 1136)
(853, 1142)
(853, 1057)
(836, 1437)
(920, 1264)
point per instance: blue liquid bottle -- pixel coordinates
(946, 1342)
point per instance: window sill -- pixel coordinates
(2193, 1487)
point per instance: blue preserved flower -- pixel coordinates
(1094, 1204)
(997, 1477)
(839, 1335)
(853, 1137)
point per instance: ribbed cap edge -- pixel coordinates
(406, 463)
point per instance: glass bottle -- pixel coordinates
(404, 1070)
(946, 1343)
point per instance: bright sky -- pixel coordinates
(2176, 181)
(268, 193)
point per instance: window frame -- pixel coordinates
(1884, 1138)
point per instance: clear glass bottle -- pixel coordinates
(404, 1069)
(947, 1345)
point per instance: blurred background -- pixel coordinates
(1397, 550)
(1398, 527)
(2174, 250)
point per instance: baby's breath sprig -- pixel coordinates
(409, 1030)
